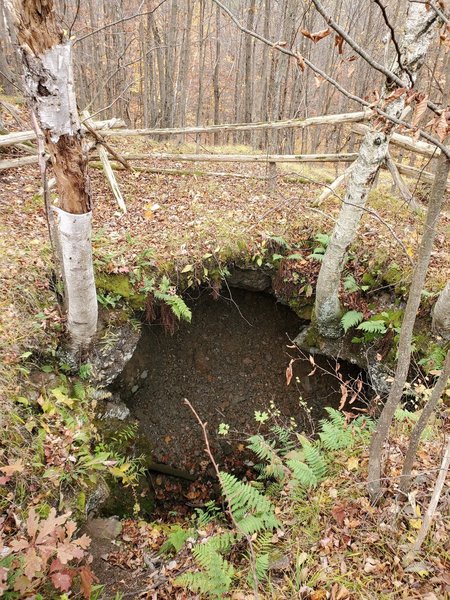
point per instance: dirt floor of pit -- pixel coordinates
(229, 362)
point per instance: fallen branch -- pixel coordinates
(426, 524)
(401, 185)
(196, 173)
(13, 163)
(333, 186)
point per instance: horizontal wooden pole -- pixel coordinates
(404, 141)
(190, 173)
(257, 158)
(10, 139)
(13, 163)
(334, 119)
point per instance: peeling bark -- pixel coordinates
(48, 75)
(419, 31)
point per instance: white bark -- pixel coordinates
(74, 246)
(57, 109)
(441, 313)
(419, 31)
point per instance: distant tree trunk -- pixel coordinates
(380, 435)
(441, 313)
(419, 31)
(46, 58)
(248, 81)
(185, 63)
(201, 63)
(216, 73)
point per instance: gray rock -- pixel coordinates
(109, 360)
(144, 374)
(253, 280)
(116, 410)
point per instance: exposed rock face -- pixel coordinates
(253, 280)
(109, 359)
(310, 340)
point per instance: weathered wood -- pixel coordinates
(272, 177)
(418, 174)
(195, 173)
(13, 163)
(10, 139)
(405, 142)
(333, 186)
(259, 158)
(109, 173)
(353, 117)
(401, 185)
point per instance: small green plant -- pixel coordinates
(351, 285)
(319, 251)
(165, 292)
(109, 300)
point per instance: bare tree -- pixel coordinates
(419, 31)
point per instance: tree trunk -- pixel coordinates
(419, 427)
(46, 58)
(419, 32)
(436, 201)
(216, 73)
(441, 314)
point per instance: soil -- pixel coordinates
(229, 362)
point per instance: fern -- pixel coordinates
(216, 577)
(78, 390)
(336, 434)
(265, 450)
(351, 319)
(314, 458)
(177, 305)
(375, 326)
(302, 473)
(252, 511)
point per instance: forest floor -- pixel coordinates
(332, 543)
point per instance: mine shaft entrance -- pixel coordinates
(229, 362)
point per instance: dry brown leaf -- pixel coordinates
(316, 36)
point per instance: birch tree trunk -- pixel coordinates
(441, 313)
(419, 31)
(46, 59)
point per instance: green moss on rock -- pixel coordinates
(120, 285)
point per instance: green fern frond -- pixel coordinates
(302, 473)
(252, 511)
(375, 326)
(78, 390)
(265, 450)
(351, 319)
(314, 458)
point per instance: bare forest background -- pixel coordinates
(176, 63)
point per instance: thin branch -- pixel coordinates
(230, 512)
(123, 20)
(394, 40)
(332, 81)
(372, 62)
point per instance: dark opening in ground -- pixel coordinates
(229, 362)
